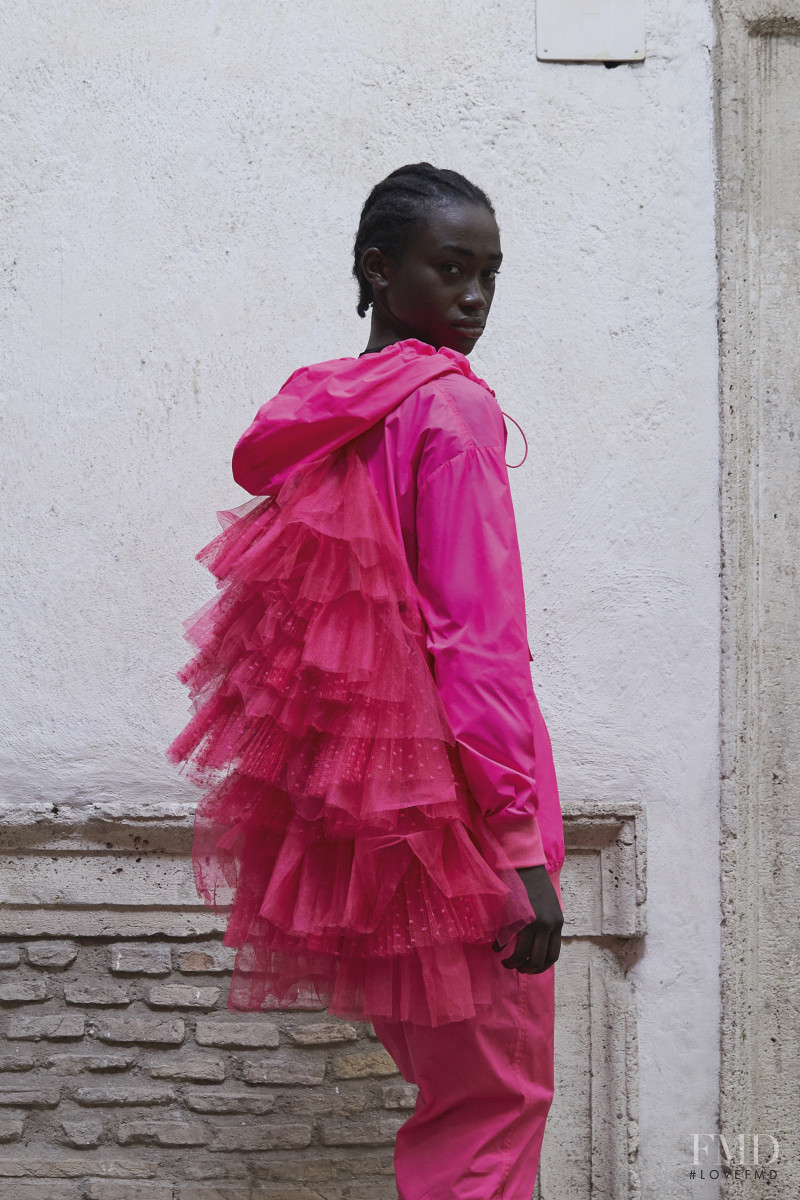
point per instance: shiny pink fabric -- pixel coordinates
(433, 438)
(361, 873)
(485, 1091)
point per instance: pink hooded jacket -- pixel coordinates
(433, 439)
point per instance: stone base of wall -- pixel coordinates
(124, 1076)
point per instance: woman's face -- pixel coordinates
(442, 288)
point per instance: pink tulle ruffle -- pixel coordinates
(336, 822)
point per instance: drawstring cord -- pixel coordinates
(525, 440)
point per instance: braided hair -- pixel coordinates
(397, 205)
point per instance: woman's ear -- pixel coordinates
(373, 264)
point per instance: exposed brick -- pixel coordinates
(37, 1189)
(206, 960)
(83, 1135)
(10, 956)
(292, 1067)
(123, 1189)
(30, 1097)
(181, 995)
(346, 1164)
(383, 1190)
(323, 1033)
(222, 1191)
(364, 1064)
(399, 1095)
(98, 993)
(108, 1096)
(76, 1064)
(56, 1028)
(58, 1166)
(194, 1070)
(147, 1030)
(364, 1131)
(230, 1102)
(321, 1102)
(23, 991)
(11, 1126)
(216, 1031)
(140, 958)
(261, 1137)
(51, 954)
(331, 1170)
(17, 1062)
(162, 1133)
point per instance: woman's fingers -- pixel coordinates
(538, 945)
(537, 959)
(536, 949)
(554, 948)
(522, 948)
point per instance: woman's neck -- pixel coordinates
(385, 333)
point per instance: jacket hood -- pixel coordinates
(323, 406)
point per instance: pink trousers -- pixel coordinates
(485, 1090)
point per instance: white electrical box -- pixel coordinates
(590, 30)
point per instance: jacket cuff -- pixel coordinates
(520, 838)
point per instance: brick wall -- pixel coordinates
(123, 1076)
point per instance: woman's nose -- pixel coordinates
(472, 297)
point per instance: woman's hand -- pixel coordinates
(538, 945)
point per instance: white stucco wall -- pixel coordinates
(180, 186)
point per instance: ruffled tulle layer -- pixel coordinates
(336, 820)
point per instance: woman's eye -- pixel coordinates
(451, 269)
(491, 274)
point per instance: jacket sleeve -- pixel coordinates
(469, 579)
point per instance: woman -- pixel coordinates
(391, 748)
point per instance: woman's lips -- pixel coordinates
(471, 329)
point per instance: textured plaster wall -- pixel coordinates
(180, 185)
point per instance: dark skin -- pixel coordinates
(440, 291)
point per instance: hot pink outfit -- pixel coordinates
(476, 1037)
(438, 463)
